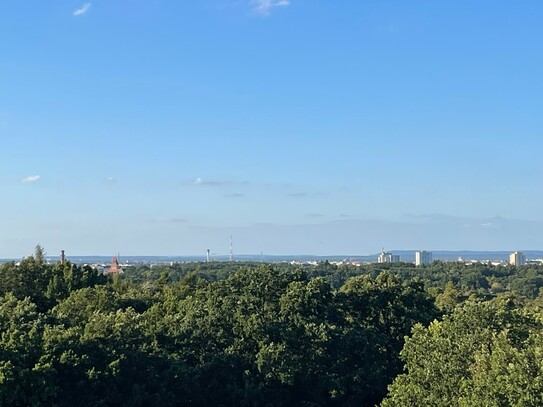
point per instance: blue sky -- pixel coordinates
(318, 127)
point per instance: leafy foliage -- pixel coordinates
(463, 359)
(231, 334)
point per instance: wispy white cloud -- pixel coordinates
(31, 178)
(82, 10)
(264, 7)
(201, 181)
(216, 182)
(490, 225)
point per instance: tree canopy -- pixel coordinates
(233, 334)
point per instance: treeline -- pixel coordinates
(475, 281)
(230, 334)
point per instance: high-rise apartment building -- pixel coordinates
(423, 258)
(517, 259)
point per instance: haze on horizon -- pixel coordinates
(163, 127)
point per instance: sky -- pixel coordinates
(163, 127)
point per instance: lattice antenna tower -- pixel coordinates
(231, 249)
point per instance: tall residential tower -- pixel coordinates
(517, 259)
(423, 258)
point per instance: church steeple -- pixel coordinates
(114, 266)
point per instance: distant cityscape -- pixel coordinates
(423, 258)
(419, 258)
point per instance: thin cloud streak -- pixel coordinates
(82, 10)
(216, 183)
(264, 7)
(31, 178)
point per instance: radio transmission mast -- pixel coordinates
(231, 249)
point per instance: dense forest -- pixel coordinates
(250, 334)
